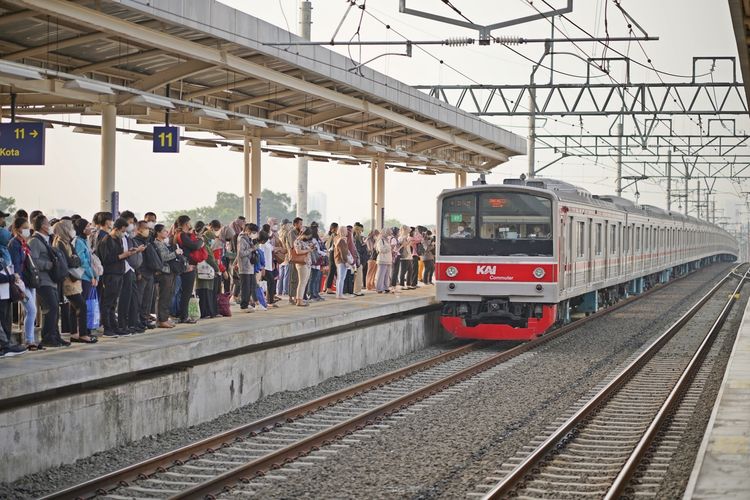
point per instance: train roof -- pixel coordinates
(566, 191)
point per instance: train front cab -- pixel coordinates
(496, 270)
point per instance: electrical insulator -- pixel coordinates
(458, 41)
(509, 40)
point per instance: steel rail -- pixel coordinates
(675, 395)
(517, 475)
(142, 470)
(246, 472)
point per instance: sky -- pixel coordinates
(69, 182)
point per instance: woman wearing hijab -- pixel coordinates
(64, 236)
(7, 276)
(384, 262)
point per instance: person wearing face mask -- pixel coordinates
(103, 222)
(128, 307)
(8, 275)
(291, 237)
(303, 247)
(245, 263)
(113, 256)
(64, 236)
(150, 218)
(216, 247)
(372, 258)
(204, 286)
(187, 240)
(20, 254)
(165, 276)
(145, 278)
(227, 238)
(90, 276)
(41, 251)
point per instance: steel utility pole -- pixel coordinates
(530, 141)
(619, 157)
(687, 190)
(669, 180)
(698, 200)
(305, 24)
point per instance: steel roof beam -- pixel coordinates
(159, 39)
(324, 116)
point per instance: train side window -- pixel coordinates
(598, 239)
(581, 239)
(612, 239)
(638, 239)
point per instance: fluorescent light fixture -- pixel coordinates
(401, 154)
(16, 71)
(427, 171)
(282, 154)
(325, 137)
(202, 144)
(86, 130)
(348, 162)
(319, 158)
(438, 163)
(237, 149)
(421, 158)
(90, 86)
(152, 101)
(377, 148)
(214, 114)
(253, 122)
(143, 137)
(291, 129)
(353, 143)
(403, 170)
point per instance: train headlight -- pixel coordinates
(539, 273)
(451, 272)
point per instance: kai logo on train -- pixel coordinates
(488, 270)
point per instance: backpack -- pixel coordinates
(152, 259)
(59, 270)
(254, 259)
(196, 256)
(205, 271)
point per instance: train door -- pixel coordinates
(619, 249)
(590, 252)
(569, 255)
(606, 249)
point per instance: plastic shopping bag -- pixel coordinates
(92, 310)
(194, 310)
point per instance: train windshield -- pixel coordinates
(502, 223)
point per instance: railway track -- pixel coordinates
(221, 462)
(618, 442)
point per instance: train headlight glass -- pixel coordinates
(539, 273)
(451, 272)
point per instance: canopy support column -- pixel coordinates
(108, 157)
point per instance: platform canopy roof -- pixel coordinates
(209, 67)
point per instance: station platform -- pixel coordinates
(126, 388)
(722, 468)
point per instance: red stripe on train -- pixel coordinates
(496, 273)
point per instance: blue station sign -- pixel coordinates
(166, 140)
(22, 143)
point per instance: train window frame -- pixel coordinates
(598, 239)
(581, 240)
(613, 239)
(638, 232)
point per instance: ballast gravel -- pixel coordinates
(444, 450)
(59, 478)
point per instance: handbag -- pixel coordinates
(205, 271)
(76, 273)
(17, 293)
(296, 258)
(96, 265)
(30, 274)
(92, 310)
(178, 265)
(223, 303)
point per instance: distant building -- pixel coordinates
(318, 201)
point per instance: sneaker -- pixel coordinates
(360, 294)
(261, 308)
(13, 350)
(111, 334)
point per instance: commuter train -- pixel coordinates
(517, 259)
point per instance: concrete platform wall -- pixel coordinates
(37, 436)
